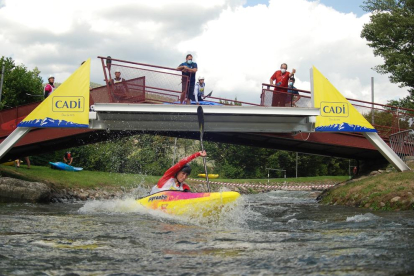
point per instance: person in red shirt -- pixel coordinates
(68, 158)
(173, 179)
(282, 79)
(50, 87)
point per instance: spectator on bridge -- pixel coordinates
(173, 179)
(50, 87)
(282, 79)
(68, 158)
(293, 95)
(198, 94)
(117, 78)
(189, 69)
(119, 87)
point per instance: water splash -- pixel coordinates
(231, 216)
(361, 218)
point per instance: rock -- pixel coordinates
(395, 199)
(367, 205)
(381, 171)
(409, 193)
(374, 173)
(83, 196)
(21, 190)
(382, 204)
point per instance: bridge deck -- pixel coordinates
(217, 118)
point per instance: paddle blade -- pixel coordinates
(209, 94)
(108, 62)
(200, 115)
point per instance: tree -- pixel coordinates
(18, 81)
(390, 33)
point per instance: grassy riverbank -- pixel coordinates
(93, 179)
(385, 191)
(83, 179)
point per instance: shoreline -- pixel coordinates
(380, 190)
(383, 190)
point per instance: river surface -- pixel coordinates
(275, 233)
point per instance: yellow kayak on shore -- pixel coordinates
(9, 163)
(185, 203)
(210, 176)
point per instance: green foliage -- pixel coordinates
(146, 154)
(390, 33)
(235, 161)
(152, 155)
(18, 81)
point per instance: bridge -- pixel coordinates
(146, 102)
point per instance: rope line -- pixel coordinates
(266, 186)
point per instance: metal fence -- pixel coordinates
(402, 144)
(142, 82)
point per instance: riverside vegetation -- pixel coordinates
(381, 190)
(71, 186)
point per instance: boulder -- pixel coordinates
(21, 190)
(395, 199)
(83, 196)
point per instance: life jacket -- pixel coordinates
(201, 88)
(117, 81)
(170, 185)
(68, 156)
(47, 93)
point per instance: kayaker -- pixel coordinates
(68, 158)
(174, 177)
(199, 90)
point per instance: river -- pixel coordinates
(275, 233)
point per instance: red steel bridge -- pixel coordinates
(155, 85)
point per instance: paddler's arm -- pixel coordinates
(177, 167)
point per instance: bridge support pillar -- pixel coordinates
(12, 139)
(386, 151)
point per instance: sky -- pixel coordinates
(237, 44)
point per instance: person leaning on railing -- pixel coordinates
(282, 79)
(189, 69)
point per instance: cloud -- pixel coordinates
(237, 46)
(242, 49)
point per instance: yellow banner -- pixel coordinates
(67, 106)
(337, 114)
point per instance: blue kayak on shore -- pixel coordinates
(64, 167)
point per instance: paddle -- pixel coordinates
(108, 65)
(208, 95)
(200, 115)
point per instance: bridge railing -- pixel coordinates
(145, 83)
(386, 119)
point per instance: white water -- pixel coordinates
(276, 233)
